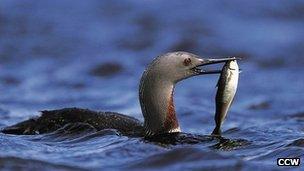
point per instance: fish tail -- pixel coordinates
(216, 131)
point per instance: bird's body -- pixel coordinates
(226, 89)
(155, 96)
(52, 120)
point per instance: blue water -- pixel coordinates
(91, 54)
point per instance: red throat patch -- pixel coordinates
(171, 120)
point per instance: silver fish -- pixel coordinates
(226, 89)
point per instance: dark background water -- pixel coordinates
(91, 54)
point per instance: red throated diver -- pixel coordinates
(155, 96)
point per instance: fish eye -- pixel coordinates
(187, 62)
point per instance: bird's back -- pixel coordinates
(52, 120)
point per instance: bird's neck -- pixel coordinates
(156, 100)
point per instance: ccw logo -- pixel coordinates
(288, 161)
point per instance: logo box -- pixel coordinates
(288, 161)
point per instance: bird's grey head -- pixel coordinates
(174, 67)
(157, 86)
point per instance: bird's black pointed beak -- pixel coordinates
(205, 62)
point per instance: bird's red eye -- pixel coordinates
(187, 61)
